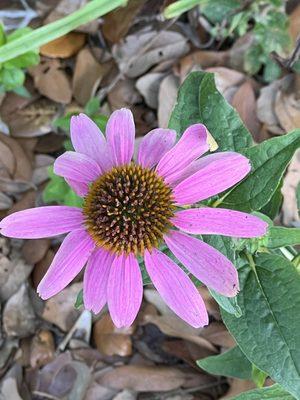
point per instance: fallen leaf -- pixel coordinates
(204, 59)
(42, 349)
(238, 386)
(52, 81)
(87, 76)
(34, 250)
(60, 310)
(19, 319)
(126, 395)
(244, 102)
(124, 94)
(294, 23)
(217, 334)
(41, 267)
(167, 97)
(291, 180)
(142, 50)
(97, 392)
(227, 80)
(26, 201)
(110, 340)
(5, 202)
(148, 85)
(65, 46)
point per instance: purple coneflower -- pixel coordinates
(130, 208)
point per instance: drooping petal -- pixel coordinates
(176, 289)
(40, 222)
(89, 140)
(206, 263)
(191, 145)
(219, 221)
(154, 146)
(124, 290)
(80, 188)
(120, 133)
(216, 175)
(77, 167)
(67, 263)
(95, 280)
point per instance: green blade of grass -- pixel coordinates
(49, 32)
(179, 7)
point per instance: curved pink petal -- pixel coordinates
(124, 290)
(154, 145)
(218, 173)
(120, 133)
(191, 145)
(40, 222)
(67, 263)
(77, 167)
(219, 221)
(206, 263)
(89, 140)
(95, 280)
(176, 289)
(80, 188)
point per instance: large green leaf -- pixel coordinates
(279, 236)
(199, 101)
(268, 330)
(226, 246)
(232, 363)
(274, 392)
(269, 161)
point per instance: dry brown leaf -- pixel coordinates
(287, 104)
(144, 49)
(111, 340)
(34, 250)
(291, 180)
(60, 311)
(97, 392)
(244, 102)
(26, 201)
(19, 319)
(87, 76)
(148, 85)
(7, 159)
(143, 378)
(238, 386)
(227, 81)
(124, 94)
(202, 58)
(117, 23)
(294, 23)
(42, 349)
(210, 303)
(64, 46)
(41, 268)
(217, 334)
(166, 99)
(5, 202)
(173, 326)
(51, 81)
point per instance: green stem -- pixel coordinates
(47, 33)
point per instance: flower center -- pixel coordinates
(128, 209)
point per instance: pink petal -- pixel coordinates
(120, 133)
(218, 173)
(219, 221)
(191, 145)
(125, 290)
(154, 145)
(77, 167)
(95, 280)
(206, 263)
(67, 263)
(176, 289)
(41, 222)
(80, 188)
(89, 140)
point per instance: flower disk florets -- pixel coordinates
(128, 209)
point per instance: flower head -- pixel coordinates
(131, 207)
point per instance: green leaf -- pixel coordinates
(199, 101)
(24, 61)
(22, 91)
(232, 363)
(226, 246)
(272, 208)
(268, 330)
(79, 299)
(272, 71)
(63, 122)
(101, 121)
(12, 78)
(179, 7)
(217, 10)
(92, 106)
(258, 376)
(2, 35)
(279, 237)
(269, 161)
(274, 392)
(33, 40)
(18, 33)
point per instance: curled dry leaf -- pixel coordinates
(167, 96)
(87, 75)
(59, 309)
(217, 334)
(294, 23)
(51, 81)
(227, 81)
(64, 46)
(148, 85)
(291, 180)
(124, 94)
(141, 51)
(110, 340)
(34, 250)
(19, 319)
(42, 349)
(265, 107)
(238, 386)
